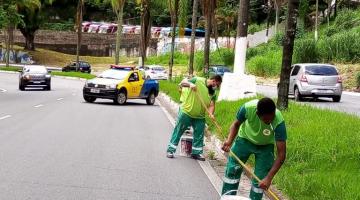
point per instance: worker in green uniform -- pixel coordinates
(257, 127)
(192, 113)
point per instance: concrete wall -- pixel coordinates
(92, 43)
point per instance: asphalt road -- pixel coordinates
(54, 146)
(349, 104)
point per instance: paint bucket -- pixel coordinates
(186, 145)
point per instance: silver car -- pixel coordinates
(315, 80)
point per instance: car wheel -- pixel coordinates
(121, 98)
(48, 87)
(21, 87)
(89, 99)
(150, 100)
(336, 98)
(297, 95)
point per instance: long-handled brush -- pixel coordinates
(249, 171)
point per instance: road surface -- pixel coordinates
(349, 103)
(54, 146)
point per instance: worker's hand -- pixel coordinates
(226, 146)
(265, 183)
(193, 87)
(212, 116)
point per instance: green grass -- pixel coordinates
(323, 152)
(10, 68)
(74, 74)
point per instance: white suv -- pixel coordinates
(156, 72)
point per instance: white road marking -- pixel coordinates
(5, 117)
(38, 106)
(3, 90)
(59, 99)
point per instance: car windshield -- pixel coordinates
(114, 74)
(223, 69)
(36, 70)
(321, 70)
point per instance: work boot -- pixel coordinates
(198, 157)
(170, 154)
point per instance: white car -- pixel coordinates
(156, 72)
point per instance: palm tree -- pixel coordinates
(208, 7)
(193, 31)
(118, 7)
(283, 94)
(79, 18)
(173, 8)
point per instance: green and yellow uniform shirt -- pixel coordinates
(255, 130)
(191, 104)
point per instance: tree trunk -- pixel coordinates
(174, 18)
(79, 32)
(29, 34)
(7, 45)
(145, 26)
(241, 40)
(288, 48)
(335, 9)
(276, 16)
(193, 31)
(208, 26)
(316, 20)
(118, 34)
(268, 23)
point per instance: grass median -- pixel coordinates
(323, 152)
(74, 74)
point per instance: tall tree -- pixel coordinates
(316, 19)
(208, 7)
(32, 18)
(292, 15)
(79, 19)
(193, 31)
(145, 28)
(118, 7)
(241, 39)
(173, 8)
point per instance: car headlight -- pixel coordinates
(47, 76)
(27, 77)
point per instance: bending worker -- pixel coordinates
(257, 127)
(192, 113)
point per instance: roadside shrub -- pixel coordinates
(305, 51)
(341, 47)
(67, 26)
(221, 56)
(358, 80)
(346, 19)
(179, 59)
(331, 30)
(262, 49)
(279, 38)
(267, 65)
(253, 28)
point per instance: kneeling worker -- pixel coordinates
(192, 113)
(257, 127)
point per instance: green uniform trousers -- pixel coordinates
(264, 159)
(183, 122)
